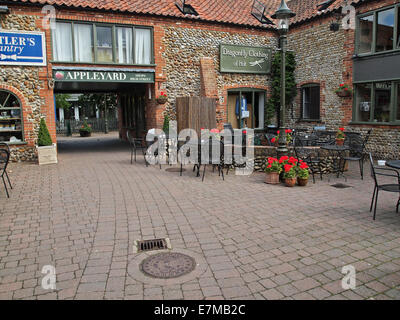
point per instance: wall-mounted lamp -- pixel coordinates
(4, 9)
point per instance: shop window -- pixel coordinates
(83, 36)
(246, 108)
(310, 102)
(365, 34)
(377, 102)
(385, 30)
(104, 44)
(10, 118)
(382, 102)
(363, 101)
(74, 42)
(62, 42)
(398, 102)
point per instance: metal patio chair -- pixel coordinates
(135, 143)
(380, 171)
(357, 150)
(5, 146)
(4, 159)
(312, 158)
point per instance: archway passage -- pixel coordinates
(108, 109)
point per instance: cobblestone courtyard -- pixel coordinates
(251, 240)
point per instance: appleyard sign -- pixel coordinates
(103, 76)
(245, 59)
(22, 48)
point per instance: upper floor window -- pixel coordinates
(310, 102)
(100, 43)
(378, 31)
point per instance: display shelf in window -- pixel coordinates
(11, 124)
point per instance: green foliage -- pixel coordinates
(61, 101)
(44, 138)
(166, 124)
(103, 101)
(85, 127)
(273, 104)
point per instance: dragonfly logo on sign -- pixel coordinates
(22, 48)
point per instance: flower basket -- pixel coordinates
(343, 94)
(161, 100)
(290, 182)
(272, 178)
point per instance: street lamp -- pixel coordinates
(283, 14)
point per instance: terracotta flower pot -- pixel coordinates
(272, 178)
(339, 142)
(290, 182)
(302, 182)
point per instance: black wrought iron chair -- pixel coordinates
(312, 158)
(323, 137)
(135, 144)
(5, 146)
(357, 149)
(4, 159)
(219, 163)
(380, 171)
(269, 137)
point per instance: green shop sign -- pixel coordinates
(103, 76)
(243, 59)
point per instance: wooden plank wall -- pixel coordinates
(196, 113)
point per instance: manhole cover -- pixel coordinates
(175, 170)
(340, 185)
(168, 265)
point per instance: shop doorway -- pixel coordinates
(251, 103)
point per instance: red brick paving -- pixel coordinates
(260, 241)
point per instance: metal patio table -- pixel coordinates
(393, 164)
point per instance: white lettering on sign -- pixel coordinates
(15, 44)
(101, 76)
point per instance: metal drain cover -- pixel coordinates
(175, 170)
(340, 185)
(167, 265)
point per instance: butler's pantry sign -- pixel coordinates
(22, 48)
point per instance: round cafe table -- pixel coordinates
(393, 164)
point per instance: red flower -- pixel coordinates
(273, 140)
(342, 85)
(269, 166)
(292, 160)
(288, 131)
(244, 132)
(278, 131)
(214, 130)
(345, 89)
(288, 167)
(341, 129)
(303, 166)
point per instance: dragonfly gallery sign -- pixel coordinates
(22, 48)
(244, 59)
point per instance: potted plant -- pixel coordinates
(288, 133)
(47, 150)
(344, 90)
(85, 130)
(289, 174)
(272, 170)
(340, 136)
(162, 98)
(302, 174)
